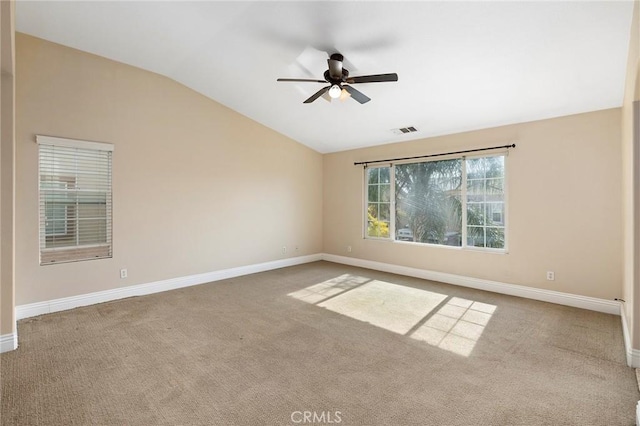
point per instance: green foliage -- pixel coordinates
(428, 200)
(376, 227)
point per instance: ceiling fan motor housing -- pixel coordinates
(330, 79)
(336, 73)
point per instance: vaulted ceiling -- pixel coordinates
(461, 65)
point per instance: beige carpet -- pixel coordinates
(349, 346)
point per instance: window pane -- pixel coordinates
(475, 236)
(372, 230)
(373, 193)
(494, 167)
(475, 168)
(92, 231)
(475, 214)
(372, 175)
(66, 240)
(385, 175)
(475, 190)
(384, 193)
(495, 214)
(428, 202)
(495, 186)
(378, 220)
(373, 210)
(378, 229)
(384, 210)
(56, 227)
(55, 219)
(495, 237)
(404, 234)
(453, 239)
(92, 211)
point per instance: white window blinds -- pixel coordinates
(75, 200)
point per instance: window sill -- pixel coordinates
(54, 256)
(446, 247)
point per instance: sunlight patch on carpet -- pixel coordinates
(456, 326)
(390, 306)
(319, 292)
(450, 323)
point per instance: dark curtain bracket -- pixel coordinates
(388, 160)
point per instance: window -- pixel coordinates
(75, 200)
(485, 202)
(428, 201)
(378, 202)
(456, 202)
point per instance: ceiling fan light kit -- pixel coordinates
(335, 91)
(340, 83)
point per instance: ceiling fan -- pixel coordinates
(340, 82)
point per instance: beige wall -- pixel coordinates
(196, 186)
(630, 185)
(7, 167)
(199, 188)
(564, 206)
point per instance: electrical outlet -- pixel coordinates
(284, 249)
(348, 249)
(123, 273)
(551, 275)
(297, 249)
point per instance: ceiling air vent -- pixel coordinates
(403, 130)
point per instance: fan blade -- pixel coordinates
(301, 79)
(335, 66)
(317, 94)
(377, 78)
(357, 95)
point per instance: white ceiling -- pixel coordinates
(461, 66)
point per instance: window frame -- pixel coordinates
(463, 195)
(392, 203)
(77, 251)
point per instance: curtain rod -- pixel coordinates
(432, 155)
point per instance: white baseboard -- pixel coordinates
(46, 307)
(584, 302)
(633, 355)
(8, 342)
(625, 334)
(633, 358)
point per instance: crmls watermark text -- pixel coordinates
(316, 417)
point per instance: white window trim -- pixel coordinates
(392, 203)
(464, 246)
(74, 143)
